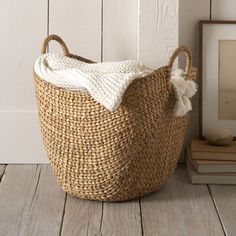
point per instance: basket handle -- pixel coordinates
(56, 38)
(176, 53)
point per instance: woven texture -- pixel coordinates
(112, 156)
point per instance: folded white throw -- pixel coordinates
(106, 82)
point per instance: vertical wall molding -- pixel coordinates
(102, 28)
(158, 31)
(23, 25)
(120, 20)
(79, 23)
(189, 35)
(48, 16)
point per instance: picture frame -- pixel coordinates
(217, 86)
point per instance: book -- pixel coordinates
(209, 178)
(204, 166)
(203, 151)
(203, 146)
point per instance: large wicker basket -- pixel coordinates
(112, 156)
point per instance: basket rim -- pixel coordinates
(85, 92)
(168, 67)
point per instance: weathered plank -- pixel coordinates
(31, 202)
(180, 209)
(158, 31)
(82, 217)
(225, 200)
(79, 24)
(2, 171)
(121, 219)
(120, 29)
(16, 192)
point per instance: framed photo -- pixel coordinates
(217, 84)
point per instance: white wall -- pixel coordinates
(158, 31)
(23, 24)
(102, 30)
(190, 12)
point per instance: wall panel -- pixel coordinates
(103, 29)
(20, 138)
(190, 13)
(120, 29)
(223, 10)
(158, 31)
(23, 25)
(20, 46)
(78, 22)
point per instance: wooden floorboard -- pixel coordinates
(224, 197)
(2, 171)
(121, 219)
(31, 202)
(82, 217)
(180, 209)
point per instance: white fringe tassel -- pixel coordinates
(184, 90)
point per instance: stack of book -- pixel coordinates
(207, 164)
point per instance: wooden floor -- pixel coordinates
(32, 203)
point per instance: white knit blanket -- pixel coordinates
(106, 82)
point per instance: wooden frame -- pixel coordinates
(201, 24)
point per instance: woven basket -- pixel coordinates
(112, 156)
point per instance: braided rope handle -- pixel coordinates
(55, 38)
(188, 56)
(175, 54)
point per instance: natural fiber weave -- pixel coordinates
(113, 156)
